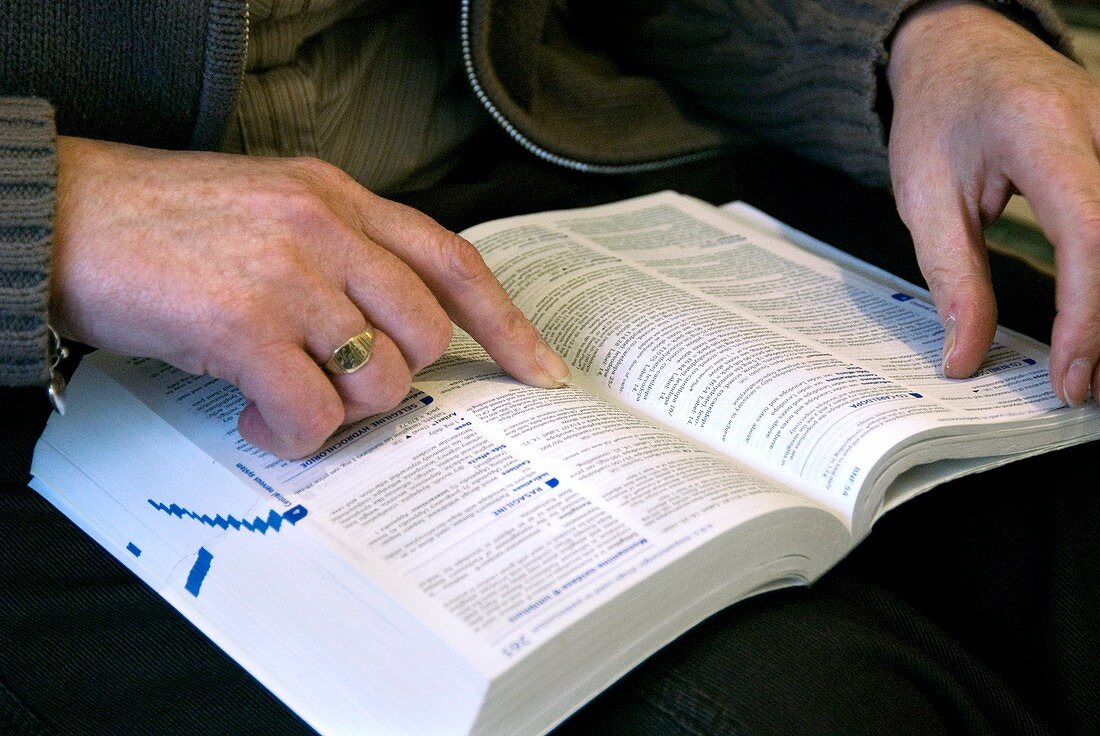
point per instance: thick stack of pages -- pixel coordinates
(487, 556)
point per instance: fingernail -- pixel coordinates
(1075, 385)
(948, 343)
(550, 362)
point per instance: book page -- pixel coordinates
(497, 513)
(746, 343)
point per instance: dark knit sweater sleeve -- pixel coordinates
(805, 74)
(159, 73)
(28, 172)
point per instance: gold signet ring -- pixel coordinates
(353, 354)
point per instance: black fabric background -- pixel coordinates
(972, 610)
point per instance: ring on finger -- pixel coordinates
(353, 354)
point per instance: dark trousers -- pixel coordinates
(971, 610)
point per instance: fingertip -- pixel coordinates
(951, 253)
(966, 342)
(1077, 381)
(964, 361)
(538, 365)
(948, 359)
(517, 346)
(555, 370)
(1075, 350)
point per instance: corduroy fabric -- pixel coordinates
(338, 80)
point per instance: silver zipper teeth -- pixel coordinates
(545, 155)
(247, 38)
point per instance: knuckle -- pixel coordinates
(317, 173)
(435, 336)
(943, 276)
(298, 193)
(905, 202)
(1086, 233)
(1050, 103)
(914, 199)
(515, 328)
(241, 312)
(285, 213)
(461, 259)
(1045, 124)
(273, 197)
(432, 334)
(304, 208)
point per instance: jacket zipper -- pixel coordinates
(537, 150)
(247, 37)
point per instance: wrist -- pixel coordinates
(930, 28)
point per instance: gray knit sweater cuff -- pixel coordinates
(28, 174)
(805, 74)
(837, 59)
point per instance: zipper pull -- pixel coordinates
(55, 353)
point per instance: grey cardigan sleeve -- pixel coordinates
(110, 73)
(28, 174)
(805, 74)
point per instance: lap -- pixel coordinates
(969, 610)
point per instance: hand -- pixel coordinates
(255, 270)
(982, 109)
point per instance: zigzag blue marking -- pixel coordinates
(274, 521)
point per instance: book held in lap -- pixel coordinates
(487, 556)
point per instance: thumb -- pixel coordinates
(951, 252)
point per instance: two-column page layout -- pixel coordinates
(487, 556)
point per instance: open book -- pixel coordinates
(487, 556)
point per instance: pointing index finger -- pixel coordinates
(469, 292)
(1063, 189)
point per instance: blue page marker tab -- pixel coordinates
(134, 549)
(198, 572)
(295, 514)
(901, 297)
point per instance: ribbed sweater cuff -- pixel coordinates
(28, 175)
